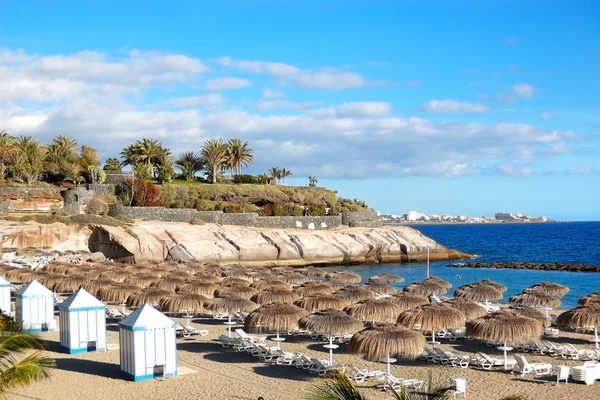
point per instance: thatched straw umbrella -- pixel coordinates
(275, 317)
(387, 278)
(333, 322)
(505, 326)
(425, 288)
(551, 288)
(238, 274)
(282, 269)
(471, 309)
(232, 281)
(496, 285)
(180, 273)
(94, 286)
(431, 318)
(118, 293)
(229, 305)
(531, 312)
(321, 302)
(245, 292)
(271, 283)
(160, 272)
(21, 275)
(313, 271)
(582, 317)
(117, 275)
(478, 291)
(354, 294)
(313, 288)
(439, 281)
(294, 278)
(206, 277)
(590, 298)
(261, 275)
(190, 303)
(275, 296)
(204, 288)
(374, 310)
(168, 283)
(48, 279)
(143, 279)
(344, 276)
(63, 269)
(533, 297)
(380, 342)
(379, 287)
(70, 283)
(150, 296)
(406, 300)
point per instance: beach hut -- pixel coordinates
(5, 296)
(82, 319)
(34, 307)
(147, 345)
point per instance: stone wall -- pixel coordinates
(4, 191)
(115, 177)
(152, 213)
(366, 219)
(321, 222)
(102, 189)
(4, 204)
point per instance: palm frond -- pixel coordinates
(35, 367)
(336, 386)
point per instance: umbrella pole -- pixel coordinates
(388, 364)
(505, 359)
(596, 337)
(433, 338)
(278, 342)
(229, 325)
(330, 350)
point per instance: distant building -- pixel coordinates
(504, 216)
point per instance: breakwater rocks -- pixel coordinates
(158, 241)
(525, 265)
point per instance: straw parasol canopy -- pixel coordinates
(590, 298)
(48, 279)
(331, 322)
(374, 310)
(238, 274)
(496, 285)
(229, 305)
(63, 269)
(282, 269)
(168, 283)
(425, 288)
(189, 302)
(117, 275)
(294, 278)
(180, 273)
(117, 293)
(313, 271)
(204, 288)
(406, 300)
(143, 279)
(531, 312)
(275, 296)
(234, 282)
(432, 317)
(21, 275)
(94, 286)
(379, 287)
(583, 317)
(551, 288)
(535, 298)
(380, 342)
(245, 292)
(150, 296)
(70, 283)
(387, 278)
(344, 276)
(506, 326)
(206, 277)
(270, 283)
(354, 294)
(478, 291)
(275, 317)
(313, 288)
(471, 309)
(439, 281)
(321, 302)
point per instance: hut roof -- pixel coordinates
(34, 289)
(4, 282)
(145, 318)
(81, 300)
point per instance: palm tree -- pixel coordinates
(27, 159)
(312, 181)
(61, 158)
(238, 155)
(164, 168)
(148, 151)
(284, 174)
(21, 359)
(112, 164)
(214, 157)
(7, 144)
(189, 163)
(275, 174)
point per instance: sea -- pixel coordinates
(564, 242)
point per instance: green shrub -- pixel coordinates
(316, 210)
(197, 221)
(97, 207)
(250, 179)
(168, 194)
(278, 210)
(297, 211)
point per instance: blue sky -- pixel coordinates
(440, 106)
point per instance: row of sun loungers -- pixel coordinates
(564, 350)
(187, 331)
(483, 360)
(343, 338)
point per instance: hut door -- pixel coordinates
(92, 346)
(159, 372)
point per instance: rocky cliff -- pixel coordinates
(228, 244)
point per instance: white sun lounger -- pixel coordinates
(251, 338)
(396, 383)
(488, 362)
(571, 351)
(359, 375)
(524, 367)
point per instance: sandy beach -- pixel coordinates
(209, 371)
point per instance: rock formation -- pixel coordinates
(150, 240)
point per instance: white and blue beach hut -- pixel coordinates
(82, 319)
(5, 297)
(147, 344)
(34, 307)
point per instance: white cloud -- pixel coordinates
(226, 84)
(354, 110)
(211, 99)
(520, 90)
(454, 106)
(272, 93)
(546, 115)
(524, 90)
(289, 75)
(267, 105)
